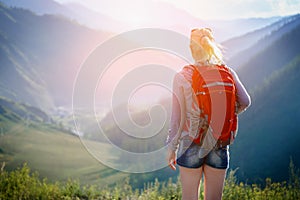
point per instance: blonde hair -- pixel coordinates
(203, 47)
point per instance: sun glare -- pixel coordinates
(134, 14)
(128, 68)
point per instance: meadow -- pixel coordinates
(41, 162)
(24, 184)
(57, 155)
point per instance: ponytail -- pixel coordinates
(204, 48)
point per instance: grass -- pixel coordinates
(55, 155)
(22, 183)
(59, 167)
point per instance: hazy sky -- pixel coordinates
(204, 9)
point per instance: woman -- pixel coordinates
(213, 164)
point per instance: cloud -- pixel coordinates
(221, 9)
(286, 7)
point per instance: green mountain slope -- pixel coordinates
(272, 57)
(26, 135)
(269, 130)
(56, 155)
(40, 56)
(18, 79)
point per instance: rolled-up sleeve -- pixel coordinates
(177, 114)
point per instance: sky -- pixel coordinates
(203, 9)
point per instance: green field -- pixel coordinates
(72, 173)
(56, 155)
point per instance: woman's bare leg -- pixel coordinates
(213, 182)
(190, 180)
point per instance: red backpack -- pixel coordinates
(216, 94)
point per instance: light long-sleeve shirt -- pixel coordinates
(184, 105)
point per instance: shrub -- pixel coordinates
(24, 184)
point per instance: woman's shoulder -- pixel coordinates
(230, 69)
(185, 75)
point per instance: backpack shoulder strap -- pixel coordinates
(188, 72)
(224, 67)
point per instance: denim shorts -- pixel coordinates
(191, 155)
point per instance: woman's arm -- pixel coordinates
(177, 115)
(243, 98)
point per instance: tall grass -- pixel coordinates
(24, 184)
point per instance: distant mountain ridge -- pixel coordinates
(236, 28)
(236, 47)
(243, 47)
(73, 11)
(167, 16)
(269, 54)
(41, 55)
(40, 7)
(16, 112)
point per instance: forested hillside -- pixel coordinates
(269, 130)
